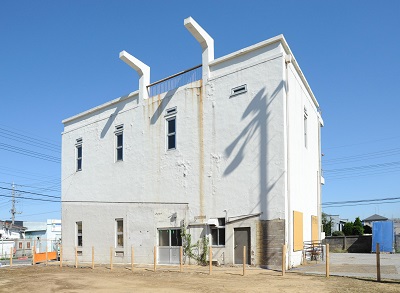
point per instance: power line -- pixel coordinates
(360, 143)
(28, 141)
(30, 198)
(28, 192)
(29, 153)
(30, 138)
(360, 201)
(361, 157)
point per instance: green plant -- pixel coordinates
(201, 247)
(348, 228)
(327, 224)
(337, 233)
(358, 227)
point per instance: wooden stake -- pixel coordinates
(210, 259)
(76, 257)
(61, 255)
(327, 260)
(11, 256)
(46, 255)
(378, 263)
(33, 255)
(283, 259)
(111, 258)
(155, 257)
(132, 258)
(92, 257)
(244, 260)
(180, 258)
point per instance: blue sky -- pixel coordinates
(59, 58)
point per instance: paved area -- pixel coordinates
(355, 265)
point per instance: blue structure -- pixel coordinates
(383, 233)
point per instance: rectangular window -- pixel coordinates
(119, 142)
(28, 245)
(20, 245)
(78, 154)
(169, 237)
(218, 233)
(305, 127)
(171, 128)
(79, 234)
(171, 133)
(119, 233)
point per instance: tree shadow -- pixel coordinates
(162, 106)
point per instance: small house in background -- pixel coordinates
(337, 223)
(374, 218)
(228, 151)
(43, 235)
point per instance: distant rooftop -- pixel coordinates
(375, 217)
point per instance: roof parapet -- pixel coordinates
(206, 43)
(142, 69)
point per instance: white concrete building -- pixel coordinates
(229, 150)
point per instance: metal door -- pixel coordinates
(242, 238)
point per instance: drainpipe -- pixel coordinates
(206, 43)
(288, 60)
(143, 71)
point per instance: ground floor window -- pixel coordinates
(79, 234)
(218, 233)
(119, 233)
(169, 237)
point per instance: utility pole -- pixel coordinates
(13, 210)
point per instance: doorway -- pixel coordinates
(241, 238)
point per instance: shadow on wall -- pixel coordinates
(258, 107)
(111, 119)
(162, 106)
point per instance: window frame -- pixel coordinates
(78, 147)
(179, 230)
(305, 128)
(221, 227)
(119, 233)
(170, 115)
(119, 132)
(79, 234)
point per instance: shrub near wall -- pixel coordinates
(353, 244)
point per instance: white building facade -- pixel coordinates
(229, 150)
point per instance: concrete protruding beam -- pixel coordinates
(206, 43)
(142, 69)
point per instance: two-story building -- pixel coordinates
(229, 150)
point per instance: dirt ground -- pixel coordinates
(52, 278)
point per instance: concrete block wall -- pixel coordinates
(270, 238)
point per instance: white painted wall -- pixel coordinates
(231, 156)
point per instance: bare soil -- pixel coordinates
(51, 278)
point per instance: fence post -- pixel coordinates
(61, 257)
(283, 259)
(327, 260)
(210, 259)
(244, 260)
(132, 257)
(33, 255)
(378, 263)
(92, 257)
(76, 257)
(180, 258)
(11, 256)
(155, 257)
(111, 258)
(46, 254)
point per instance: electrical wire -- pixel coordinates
(27, 192)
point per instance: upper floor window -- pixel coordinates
(78, 146)
(305, 127)
(171, 128)
(119, 236)
(119, 142)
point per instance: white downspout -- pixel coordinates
(288, 60)
(142, 69)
